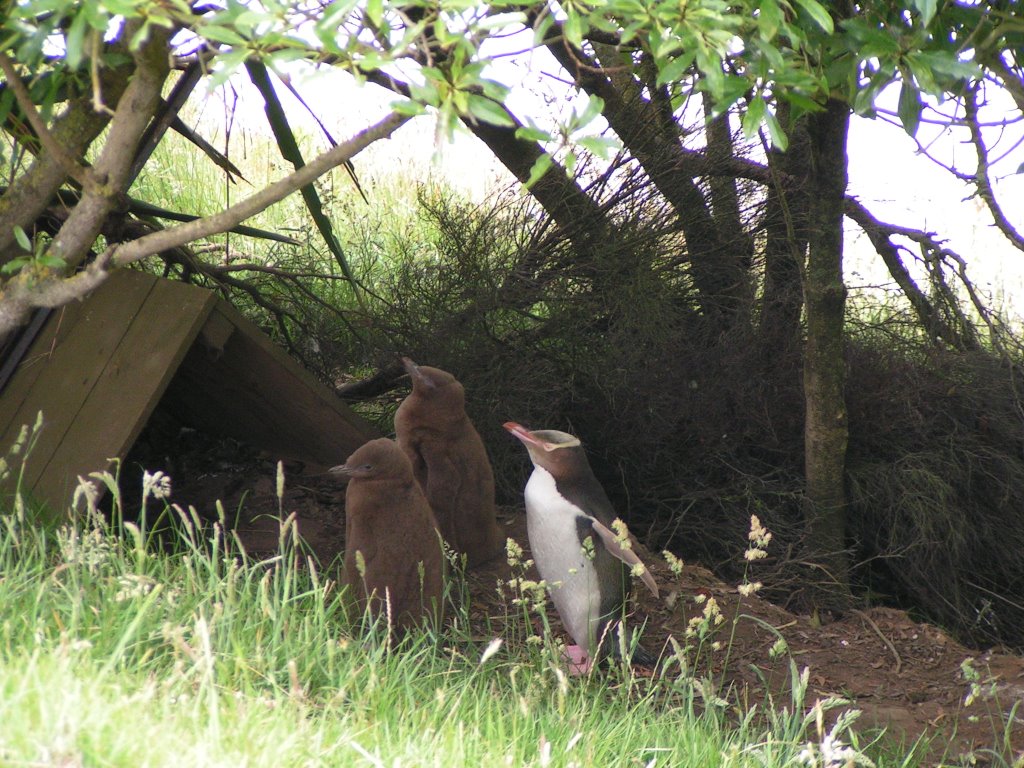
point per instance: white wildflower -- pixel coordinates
(759, 535)
(749, 588)
(86, 489)
(90, 550)
(491, 649)
(831, 753)
(674, 563)
(156, 484)
(133, 585)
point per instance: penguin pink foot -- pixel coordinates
(579, 661)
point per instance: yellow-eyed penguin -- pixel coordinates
(566, 505)
(450, 462)
(393, 556)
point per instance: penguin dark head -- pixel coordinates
(438, 388)
(379, 459)
(559, 453)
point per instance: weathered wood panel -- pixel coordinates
(131, 384)
(73, 368)
(244, 386)
(22, 381)
(99, 368)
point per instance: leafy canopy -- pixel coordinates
(748, 52)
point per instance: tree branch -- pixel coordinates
(70, 164)
(250, 206)
(75, 129)
(1010, 80)
(135, 109)
(928, 315)
(717, 271)
(981, 177)
(26, 290)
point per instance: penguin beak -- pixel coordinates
(525, 435)
(346, 471)
(415, 374)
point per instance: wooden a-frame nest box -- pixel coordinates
(98, 368)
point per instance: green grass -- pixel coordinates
(119, 647)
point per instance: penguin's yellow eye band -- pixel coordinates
(552, 439)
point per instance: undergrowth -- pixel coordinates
(119, 646)
(691, 431)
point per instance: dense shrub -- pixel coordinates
(693, 431)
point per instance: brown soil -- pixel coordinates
(904, 675)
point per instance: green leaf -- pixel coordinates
(733, 88)
(818, 13)
(532, 133)
(778, 136)
(227, 64)
(408, 107)
(501, 20)
(593, 109)
(944, 63)
(540, 31)
(221, 34)
(573, 29)
(803, 104)
(600, 146)
(14, 265)
(75, 40)
(769, 18)
(673, 70)
(22, 238)
(909, 108)
(489, 111)
(375, 11)
(540, 167)
(927, 10)
(753, 116)
(52, 262)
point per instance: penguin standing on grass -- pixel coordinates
(569, 521)
(394, 564)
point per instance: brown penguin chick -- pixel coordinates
(393, 555)
(450, 462)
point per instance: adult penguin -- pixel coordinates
(566, 506)
(393, 558)
(450, 462)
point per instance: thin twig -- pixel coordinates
(886, 640)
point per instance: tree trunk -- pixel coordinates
(786, 238)
(581, 219)
(717, 262)
(825, 422)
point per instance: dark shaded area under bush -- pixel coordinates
(693, 430)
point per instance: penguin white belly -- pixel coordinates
(570, 574)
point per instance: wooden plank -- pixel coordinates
(56, 330)
(130, 386)
(216, 332)
(76, 363)
(253, 391)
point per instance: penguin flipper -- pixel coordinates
(627, 556)
(644, 658)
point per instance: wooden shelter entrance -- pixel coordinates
(99, 367)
